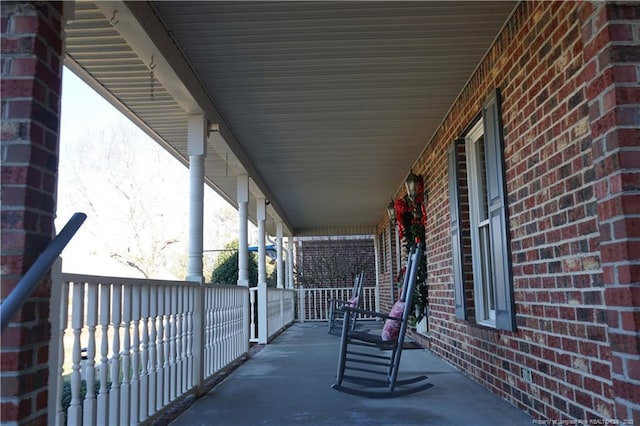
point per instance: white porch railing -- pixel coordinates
(313, 303)
(126, 346)
(280, 310)
(226, 333)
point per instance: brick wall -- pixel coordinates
(611, 36)
(388, 266)
(334, 261)
(568, 75)
(31, 82)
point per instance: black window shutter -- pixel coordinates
(456, 232)
(496, 193)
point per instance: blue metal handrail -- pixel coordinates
(34, 275)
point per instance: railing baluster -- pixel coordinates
(160, 351)
(144, 361)
(218, 329)
(231, 343)
(226, 330)
(75, 408)
(199, 338)
(235, 314)
(166, 318)
(90, 402)
(170, 349)
(285, 310)
(252, 310)
(228, 321)
(188, 349)
(190, 361)
(212, 331)
(125, 388)
(218, 326)
(208, 341)
(183, 306)
(103, 395)
(184, 309)
(222, 335)
(135, 356)
(316, 298)
(116, 318)
(173, 360)
(240, 334)
(281, 308)
(153, 362)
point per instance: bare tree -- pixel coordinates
(134, 195)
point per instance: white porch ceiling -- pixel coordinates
(326, 105)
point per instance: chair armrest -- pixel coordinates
(370, 313)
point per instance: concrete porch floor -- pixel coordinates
(289, 383)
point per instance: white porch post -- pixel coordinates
(197, 149)
(263, 330)
(279, 259)
(243, 251)
(290, 262)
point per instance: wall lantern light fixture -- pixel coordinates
(411, 183)
(391, 211)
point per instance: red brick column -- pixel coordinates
(31, 85)
(611, 35)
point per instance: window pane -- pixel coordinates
(482, 179)
(487, 275)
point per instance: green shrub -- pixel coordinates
(226, 270)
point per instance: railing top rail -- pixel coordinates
(231, 286)
(332, 288)
(98, 279)
(279, 289)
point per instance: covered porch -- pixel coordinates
(307, 117)
(288, 382)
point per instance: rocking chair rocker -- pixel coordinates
(336, 311)
(374, 374)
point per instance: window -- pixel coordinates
(478, 214)
(480, 241)
(382, 246)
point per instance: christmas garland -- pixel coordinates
(411, 219)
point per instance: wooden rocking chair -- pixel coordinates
(372, 373)
(336, 311)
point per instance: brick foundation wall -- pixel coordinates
(570, 117)
(31, 85)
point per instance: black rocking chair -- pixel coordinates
(372, 373)
(336, 311)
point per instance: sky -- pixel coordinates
(98, 146)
